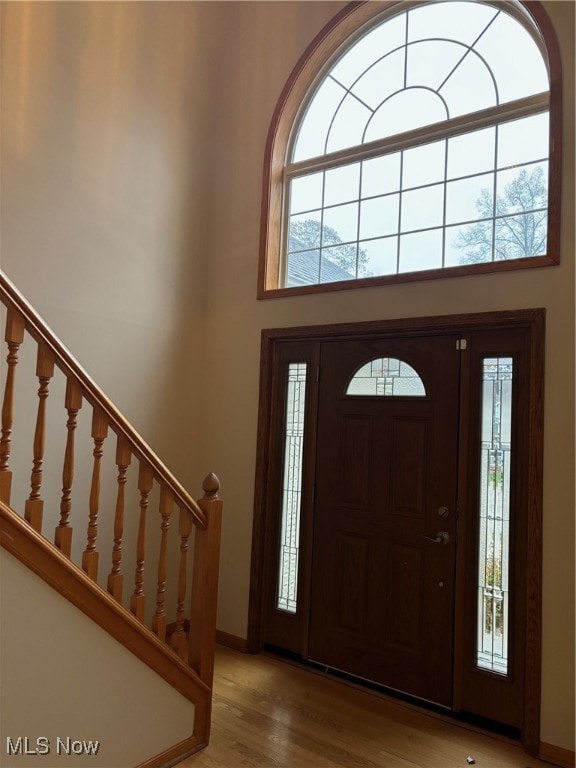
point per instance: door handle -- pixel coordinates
(443, 537)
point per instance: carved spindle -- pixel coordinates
(202, 638)
(179, 634)
(73, 403)
(137, 601)
(159, 619)
(14, 337)
(99, 433)
(34, 506)
(115, 578)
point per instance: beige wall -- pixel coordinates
(133, 164)
(104, 196)
(75, 681)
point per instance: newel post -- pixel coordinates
(205, 583)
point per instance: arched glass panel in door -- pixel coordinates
(386, 377)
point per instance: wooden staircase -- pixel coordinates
(120, 538)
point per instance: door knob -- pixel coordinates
(442, 537)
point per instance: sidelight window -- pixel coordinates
(494, 515)
(292, 487)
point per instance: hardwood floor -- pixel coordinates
(271, 714)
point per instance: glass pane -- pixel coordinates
(523, 141)
(387, 377)
(470, 87)
(517, 237)
(382, 79)
(470, 199)
(522, 189)
(303, 268)
(314, 128)
(514, 58)
(381, 256)
(423, 165)
(381, 175)
(306, 193)
(430, 62)
(338, 263)
(456, 21)
(342, 184)
(304, 231)
(379, 216)
(348, 126)
(340, 224)
(494, 515)
(422, 208)
(471, 153)
(292, 488)
(404, 111)
(421, 250)
(468, 244)
(379, 41)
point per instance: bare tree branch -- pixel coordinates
(521, 227)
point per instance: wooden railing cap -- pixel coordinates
(211, 486)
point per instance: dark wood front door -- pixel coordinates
(383, 560)
(397, 530)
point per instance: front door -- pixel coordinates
(383, 554)
(379, 444)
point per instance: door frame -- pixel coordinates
(533, 321)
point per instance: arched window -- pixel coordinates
(415, 142)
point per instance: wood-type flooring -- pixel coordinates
(271, 714)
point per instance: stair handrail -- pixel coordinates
(39, 330)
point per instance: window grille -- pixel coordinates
(425, 148)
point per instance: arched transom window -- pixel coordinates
(424, 149)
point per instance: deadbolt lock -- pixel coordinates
(443, 511)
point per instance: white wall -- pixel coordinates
(73, 680)
(133, 152)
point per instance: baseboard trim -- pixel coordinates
(557, 755)
(175, 754)
(231, 641)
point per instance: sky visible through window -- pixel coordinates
(464, 198)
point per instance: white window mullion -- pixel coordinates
(531, 105)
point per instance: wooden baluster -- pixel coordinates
(116, 578)
(137, 601)
(159, 619)
(34, 506)
(99, 434)
(179, 634)
(73, 403)
(14, 337)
